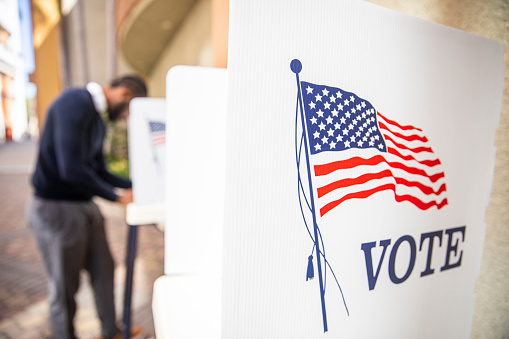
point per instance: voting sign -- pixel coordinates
(360, 157)
(147, 140)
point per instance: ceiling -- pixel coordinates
(149, 29)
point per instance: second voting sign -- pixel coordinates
(360, 160)
(147, 140)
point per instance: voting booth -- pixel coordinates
(147, 140)
(195, 188)
(333, 181)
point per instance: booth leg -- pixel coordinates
(130, 257)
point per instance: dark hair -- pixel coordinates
(133, 82)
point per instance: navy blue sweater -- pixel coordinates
(70, 164)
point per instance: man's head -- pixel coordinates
(120, 92)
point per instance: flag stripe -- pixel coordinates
(412, 137)
(394, 123)
(159, 139)
(415, 150)
(373, 176)
(377, 159)
(429, 163)
(399, 198)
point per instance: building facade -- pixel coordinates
(14, 15)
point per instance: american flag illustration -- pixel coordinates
(357, 152)
(345, 149)
(157, 133)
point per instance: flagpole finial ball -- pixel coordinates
(296, 66)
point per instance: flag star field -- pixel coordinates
(339, 120)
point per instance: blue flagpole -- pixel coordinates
(296, 67)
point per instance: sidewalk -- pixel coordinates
(23, 303)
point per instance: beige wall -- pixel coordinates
(47, 73)
(220, 32)
(192, 45)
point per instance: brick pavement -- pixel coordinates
(23, 303)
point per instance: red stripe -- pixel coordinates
(417, 171)
(158, 140)
(424, 189)
(412, 137)
(377, 159)
(346, 164)
(353, 181)
(405, 128)
(373, 176)
(399, 198)
(415, 150)
(429, 163)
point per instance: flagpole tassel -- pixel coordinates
(311, 271)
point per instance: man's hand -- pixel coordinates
(125, 197)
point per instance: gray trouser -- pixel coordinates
(71, 237)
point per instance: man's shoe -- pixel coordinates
(135, 330)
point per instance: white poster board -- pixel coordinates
(399, 222)
(195, 180)
(196, 152)
(147, 140)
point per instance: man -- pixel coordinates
(68, 226)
